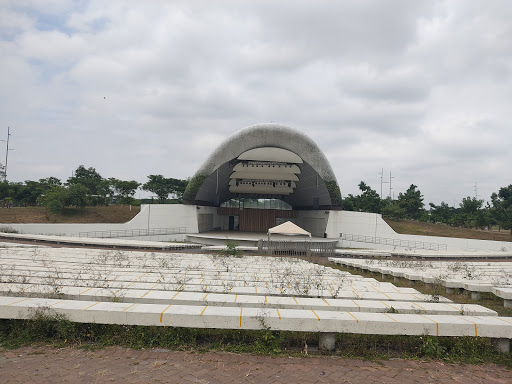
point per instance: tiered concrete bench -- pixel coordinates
(425, 254)
(326, 322)
(505, 294)
(106, 242)
(195, 290)
(473, 277)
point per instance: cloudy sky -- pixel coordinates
(421, 89)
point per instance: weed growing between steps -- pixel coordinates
(46, 327)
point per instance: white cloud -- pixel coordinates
(419, 88)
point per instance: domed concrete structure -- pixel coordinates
(266, 161)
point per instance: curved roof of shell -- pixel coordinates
(265, 142)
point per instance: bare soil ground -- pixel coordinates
(411, 227)
(110, 214)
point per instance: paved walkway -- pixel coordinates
(120, 365)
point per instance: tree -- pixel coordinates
(163, 187)
(124, 189)
(470, 208)
(502, 207)
(349, 203)
(412, 202)
(391, 209)
(60, 197)
(441, 213)
(49, 182)
(369, 200)
(88, 177)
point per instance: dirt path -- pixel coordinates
(121, 365)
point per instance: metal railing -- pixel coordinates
(300, 248)
(133, 232)
(394, 242)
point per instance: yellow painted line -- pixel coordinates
(453, 307)
(419, 306)
(56, 303)
(325, 301)
(86, 290)
(472, 322)
(294, 299)
(161, 277)
(162, 314)
(382, 293)
(177, 293)
(332, 294)
(416, 297)
(256, 289)
(91, 305)
(204, 298)
(356, 294)
(19, 301)
(266, 302)
(385, 304)
(204, 309)
(201, 281)
(357, 305)
(385, 314)
(499, 318)
(144, 295)
(278, 314)
(355, 318)
(437, 324)
(130, 307)
(280, 289)
(396, 289)
(316, 315)
(144, 274)
(241, 308)
(179, 289)
(245, 283)
(266, 285)
(236, 296)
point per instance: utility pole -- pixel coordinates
(4, 173)
(382, 181)
(476, 190)
(390, 184)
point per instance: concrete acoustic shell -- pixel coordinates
(316, 188)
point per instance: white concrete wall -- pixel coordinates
(313, 221)
(357, 223)
(150, 216)
(347, 222)
(372, 224)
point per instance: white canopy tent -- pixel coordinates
(289, 229)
